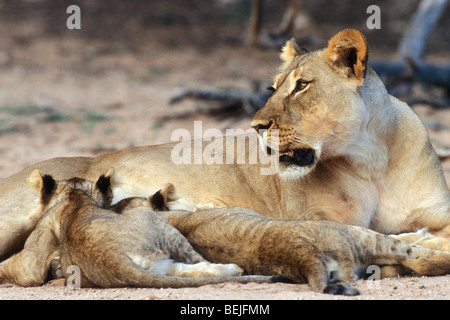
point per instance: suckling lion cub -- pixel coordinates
(136, 248)
(318, 252)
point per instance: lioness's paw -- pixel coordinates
(425, 239)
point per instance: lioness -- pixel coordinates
(348, 152)
(137, 248)
(320, 253)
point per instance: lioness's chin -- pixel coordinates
(293, 172)
(297, 163)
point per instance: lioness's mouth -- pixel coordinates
(299, 157)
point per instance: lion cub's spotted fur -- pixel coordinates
(318, 252)
(136, 248)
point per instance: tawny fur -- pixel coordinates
(374, 165)
(136, 248)
(318, 252)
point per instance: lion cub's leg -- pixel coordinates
(55, 269)
(30, 266)
(206, 269)
(181, 250)
(177, 257)
(324, 273)
(188, 262)
(160, 263)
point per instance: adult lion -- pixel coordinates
(348, 152)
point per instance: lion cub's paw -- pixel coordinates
(207, 269)
(56, 269)
(227, 269)
(339, 289)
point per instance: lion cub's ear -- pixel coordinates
(104, 182)
(102, 192)
(35, 180)
(43, 183)
(289, 52)
(347, 52)
(161, 199)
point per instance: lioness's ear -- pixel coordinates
(347, 52)
(289, 52)
(160, 200)
(104, 182)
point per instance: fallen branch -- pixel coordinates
(236, 102)
(406, 73)
(443, 154)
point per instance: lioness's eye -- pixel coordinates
(300, 86)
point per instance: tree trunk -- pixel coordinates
(414, 39)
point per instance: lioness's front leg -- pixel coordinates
(425, 239)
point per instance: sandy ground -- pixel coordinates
(68, 96)
(424, 288)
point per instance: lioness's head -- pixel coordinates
(316, 106)
(52, 191)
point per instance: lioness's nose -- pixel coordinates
(261, 124)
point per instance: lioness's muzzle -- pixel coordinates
(299, 157)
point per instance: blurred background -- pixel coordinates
(110, 84)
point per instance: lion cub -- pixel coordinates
(136, 248)
(318, 252)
